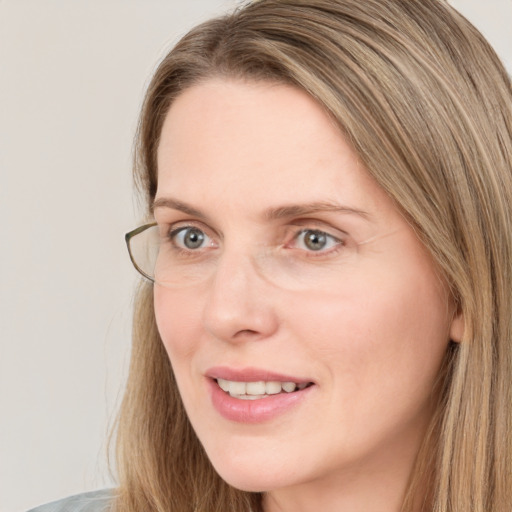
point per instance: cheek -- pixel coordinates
(379, 337)
(177, 316)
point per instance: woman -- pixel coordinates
(326, 323)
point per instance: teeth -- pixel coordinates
(223, 384)
(259, 389)
(237, 388)
(255, 388)
(288, 386)
(272, 387)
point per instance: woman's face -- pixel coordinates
(297, 275)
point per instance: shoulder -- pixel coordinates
(96, 501)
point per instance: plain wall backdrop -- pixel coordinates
(72, 76)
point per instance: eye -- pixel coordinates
(190, 238)
(316, 240)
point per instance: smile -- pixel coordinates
(254, 395)
(259, 389)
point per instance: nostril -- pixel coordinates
(246, 332)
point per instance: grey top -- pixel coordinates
(96, 501)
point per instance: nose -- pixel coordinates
(240, 305)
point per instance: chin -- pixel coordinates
(249, 482)
(250, 477)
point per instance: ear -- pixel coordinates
(457, 327)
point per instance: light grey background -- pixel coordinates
(72, 74)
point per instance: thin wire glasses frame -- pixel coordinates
(128, 237)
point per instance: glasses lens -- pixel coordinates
(157, 257)
(144, 245)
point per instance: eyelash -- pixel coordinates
(336, 243)
(173, 234)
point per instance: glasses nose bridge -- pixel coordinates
(241, 258)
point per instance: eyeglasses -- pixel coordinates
(143, 246)
(158, 257)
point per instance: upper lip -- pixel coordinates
(251, 374)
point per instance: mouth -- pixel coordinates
(256, 395)
(259, 389)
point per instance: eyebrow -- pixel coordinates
(281, 212)
(297, 210)
(167, 202)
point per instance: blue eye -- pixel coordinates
(316, 240)
(190, 238)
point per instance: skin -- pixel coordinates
(368, 322)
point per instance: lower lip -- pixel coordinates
(254, 411)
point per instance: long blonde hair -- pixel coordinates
(427, 105)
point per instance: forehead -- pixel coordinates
(238, 140)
